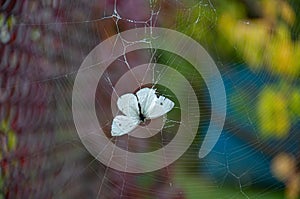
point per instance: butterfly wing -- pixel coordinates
(123, 124)
(146, 98)
(162, 106)
(128, 104)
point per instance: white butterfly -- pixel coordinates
(137, 108)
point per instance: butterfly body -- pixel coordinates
(141, 115)
(138, 108)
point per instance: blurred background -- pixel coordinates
(254, 43)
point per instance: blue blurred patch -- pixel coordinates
(241, 155)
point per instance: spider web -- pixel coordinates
(62, 33)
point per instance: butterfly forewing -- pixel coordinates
(128, 105)
(123, 124)
(146, 98)
(162, 106)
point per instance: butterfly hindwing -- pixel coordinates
(123, 124)
(162, 106)
(128, 105)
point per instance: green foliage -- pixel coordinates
(265, 42)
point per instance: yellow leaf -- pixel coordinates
(273, 114)
(287, 13)
(295, 102)
(11, 140)
(4, 126)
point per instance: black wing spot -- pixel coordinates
(161, 103)
(120, 124)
